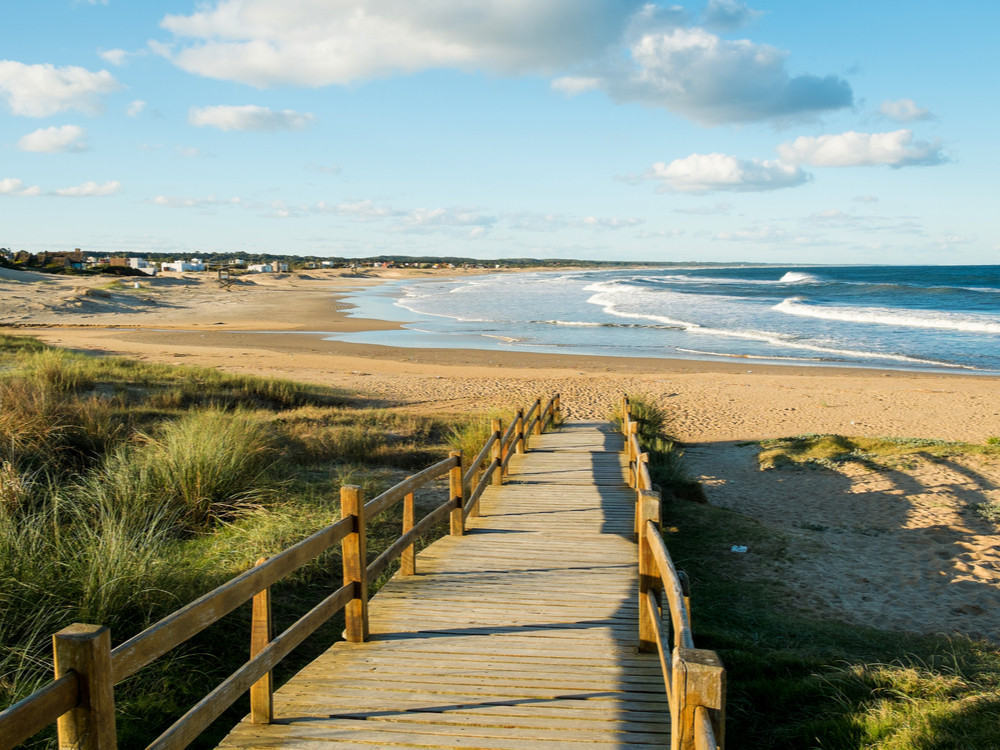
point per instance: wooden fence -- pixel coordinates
(694, 678)
(81, 697)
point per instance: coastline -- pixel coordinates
(274, 326)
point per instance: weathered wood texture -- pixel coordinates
(521, 633)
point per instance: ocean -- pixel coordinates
(934, 318)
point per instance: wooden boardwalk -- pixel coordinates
(522, 633)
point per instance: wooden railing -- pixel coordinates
(81, 698)
(695, 679)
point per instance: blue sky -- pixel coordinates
(834, 132)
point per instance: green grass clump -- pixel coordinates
(666, 455)
(667, 470)
(649, 416)
(207, 466)
(830, 450)
(989, 511)
(469, 437)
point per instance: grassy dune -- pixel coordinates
(129, 489)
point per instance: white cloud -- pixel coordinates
(613, 222)
(431, 218)
(363, 210)
(90, 189)
(714, 81)
(54, 140)
(904, 110)
(211, 201)
(135, 108)
(538, 222)
(315, 43)
(44, 90)
(14, 186)
(949, 240)
(189, 152)
(727, 15)
(851, 149)
(114, 56)
(249, 117)
(865, 199)
(702, 173)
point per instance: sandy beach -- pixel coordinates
(940, 562)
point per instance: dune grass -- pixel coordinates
(128, 489)
(798, 679)
(666, 455)
(829, 450)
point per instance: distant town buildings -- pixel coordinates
(180, 266)
(274, 267)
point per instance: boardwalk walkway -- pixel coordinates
(520, 634)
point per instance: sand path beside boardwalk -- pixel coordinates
(900, 548)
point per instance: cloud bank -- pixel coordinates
(703, 173)
(90, 189)
(54, 140)
(851, 149)
(45, 90)
(631, 50)
(904, 110)
(14, 186)
(249, 117)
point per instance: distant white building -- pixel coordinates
(180, 266)
(143, 265)
(268, 267)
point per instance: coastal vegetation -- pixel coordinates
(831, 450)
(798, 677)
(128, 489)
(666, 455)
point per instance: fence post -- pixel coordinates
(647, 509)
(538, 417)
(519, 433)
(455, 488)
(699, 679)
(556, 410)
(686, 591)
(86, 650)
(408, 560)
(642, 458)
(355, 558)
(497, 454)
(261, 632)
(633, 457)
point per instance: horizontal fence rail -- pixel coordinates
(695, 679)
(80, 698)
